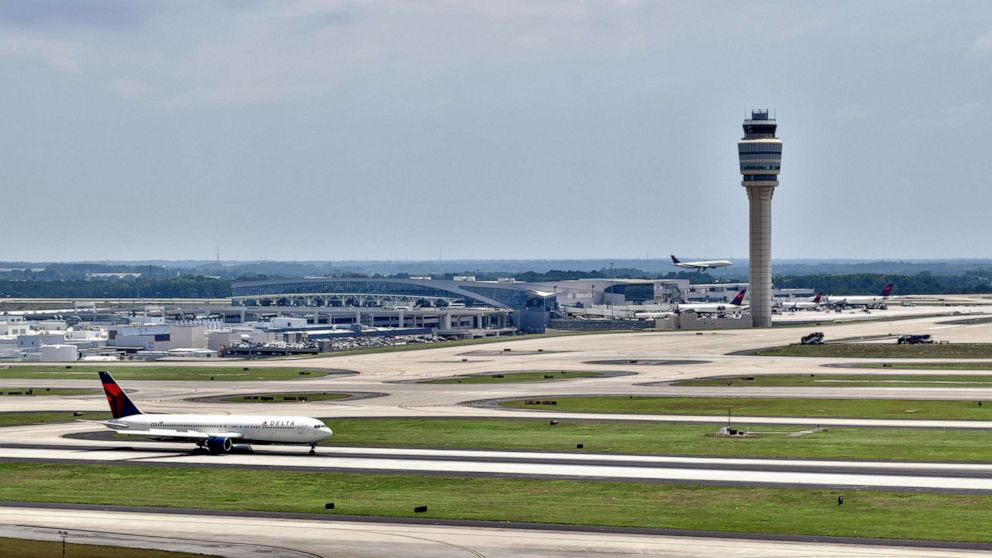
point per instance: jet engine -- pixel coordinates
(219, 444)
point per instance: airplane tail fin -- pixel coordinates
(739, 298)
(887, 290)
(120, 404)
(675, 260)
(816, 299)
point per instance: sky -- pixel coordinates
(327, 130)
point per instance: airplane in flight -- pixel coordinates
(807, 304)
(715, 307)
(216, 433)
(862, 301)
(700, 265)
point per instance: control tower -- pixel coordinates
(760, 159)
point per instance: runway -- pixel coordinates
(292, 537)
(610, 467)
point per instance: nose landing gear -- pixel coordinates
(313, 449)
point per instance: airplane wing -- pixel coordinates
(179, 434)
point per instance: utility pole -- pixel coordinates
(63, 534)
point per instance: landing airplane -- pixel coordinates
(865, 301)
(806, 305)
(216, 433)
(715, 307)
(701, 265)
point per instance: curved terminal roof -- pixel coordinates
(496, 294)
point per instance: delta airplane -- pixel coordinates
(715, 307)
(865, 301)
(701, 265)
(216, 433)
(806, 305)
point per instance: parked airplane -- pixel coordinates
(217, 433)
(715, 307)
(805, 305)
(701, 265)
(865, 301)
(653, 315)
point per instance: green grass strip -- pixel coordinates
(929, 365)
(45, 417)
(845, 380)
(769, 441)
(907, 515)
(23, 548)
(765, 407)
(888, 349)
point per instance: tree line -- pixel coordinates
(186, 286)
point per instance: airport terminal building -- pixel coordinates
(529, 307)
(500, 304)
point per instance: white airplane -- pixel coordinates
(652, 315)
(216, 433)
(701, 265)
(865, 301)
(715, 307)
(805, 305)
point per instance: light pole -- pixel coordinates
(63, 534)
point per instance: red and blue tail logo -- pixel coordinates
(817, 298)
(739, 299)
(120, 404)
(887, 290)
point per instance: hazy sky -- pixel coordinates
(509, 129)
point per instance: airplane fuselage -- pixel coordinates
(853, 301)
(704, 265)
(250, 428)
(704, 308)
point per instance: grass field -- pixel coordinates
(865, 513)
(928, 365)
(767, 407)
(882, 350)
(22, 548)
(44, 417)
(898, 444)
(516, 377)
(192, 373)
(29, 392)
(281, 397)
(843, 380)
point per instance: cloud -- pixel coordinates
(58, 14)
(253, 52)
(64, 56)
(983, 44)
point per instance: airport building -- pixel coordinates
(516, 305)
(725, 292)
(446, 305)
